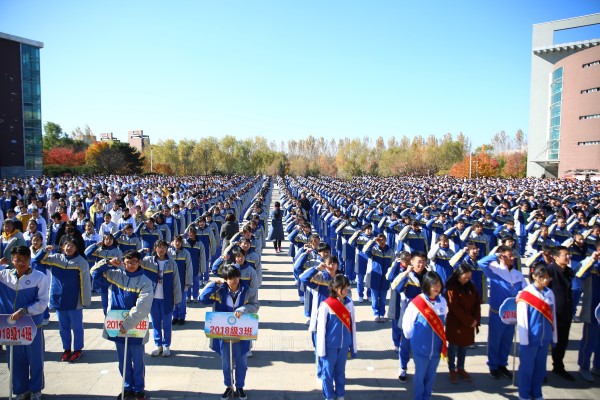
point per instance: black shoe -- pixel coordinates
(140, 396)
(182, 322)
(227, 394)
(241, 394)
(494, 373)
(128, 395)
(175, 321)
(564, 374)
(505, 372)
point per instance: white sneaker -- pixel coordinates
(302, 300)
(340, 398)
(157, 351)
(45, 322)
(166, 352)
(250, 353)
(360, 299)
(586, 375)
(396, 349)
(403, 376)
(22, 396)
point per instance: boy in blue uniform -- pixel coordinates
(24, 291)
(589, 273)
(380, 260)
(505, 281)
(229, 295)
(129, 289)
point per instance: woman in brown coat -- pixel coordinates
(464, 316)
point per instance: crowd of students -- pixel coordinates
(443, 247)
(146, 245)
(438, 246)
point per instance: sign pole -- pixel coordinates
(231, 366)
(10, 384)
(514, 356)
(124, 369)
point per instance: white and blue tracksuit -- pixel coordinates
(334, 342)
(503, 283)
(305, 261)
(30, 291)
(132, 291)
(244, 300)
(535, 334)
(70, 291)
(425, 344)
(408, 286)
(394, 309)
(439, 258)
(94, 254)
(167, 294)
(199, 266)
(184, 265)
(360, 239)
(380, 261)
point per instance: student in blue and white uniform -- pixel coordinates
(230, 295)
(505, 281)
(425, 343)
(24, 291)
(335, 338)
(536, 332)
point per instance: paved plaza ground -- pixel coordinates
(283, 365)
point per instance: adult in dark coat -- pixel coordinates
(463, 318)
(561, 275)
(276, 233)
(229, 228)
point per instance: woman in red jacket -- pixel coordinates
(464, 316)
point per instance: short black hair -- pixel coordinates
(230, 272)
(429, 279)
(21, 251)
(417, 253)
(132, 254)
(339, 281)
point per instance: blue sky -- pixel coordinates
(287, 69)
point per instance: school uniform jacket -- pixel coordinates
(331, 332)
(132, 291)
(380, 260)
(184, 264)
(71, 286)
(221, 300)
(171, 282)
(534, 328)
(30, 291)
(424, 341)
(503, 282)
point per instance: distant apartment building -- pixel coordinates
(20, 107)
(564, 123)
(104, 137)
(138, 140)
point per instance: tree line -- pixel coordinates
(449, 155)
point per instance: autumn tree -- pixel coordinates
(63, 156)
(114, 158)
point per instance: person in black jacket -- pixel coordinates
(561, 275)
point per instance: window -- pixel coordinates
(591, 64)
(588, 143)
(592, 116)
(32, 118)
(591, 90)
(555, 112)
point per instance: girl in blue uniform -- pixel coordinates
(535, 316)
(426, 343)
(336, 337)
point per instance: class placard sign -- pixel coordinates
(17, 332)
(112, 324)
(225, 325)
(508, 311)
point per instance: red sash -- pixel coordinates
(340, 311)
(537, 303)
(433, 319)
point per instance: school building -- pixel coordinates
(564, 119)
(20, 107)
